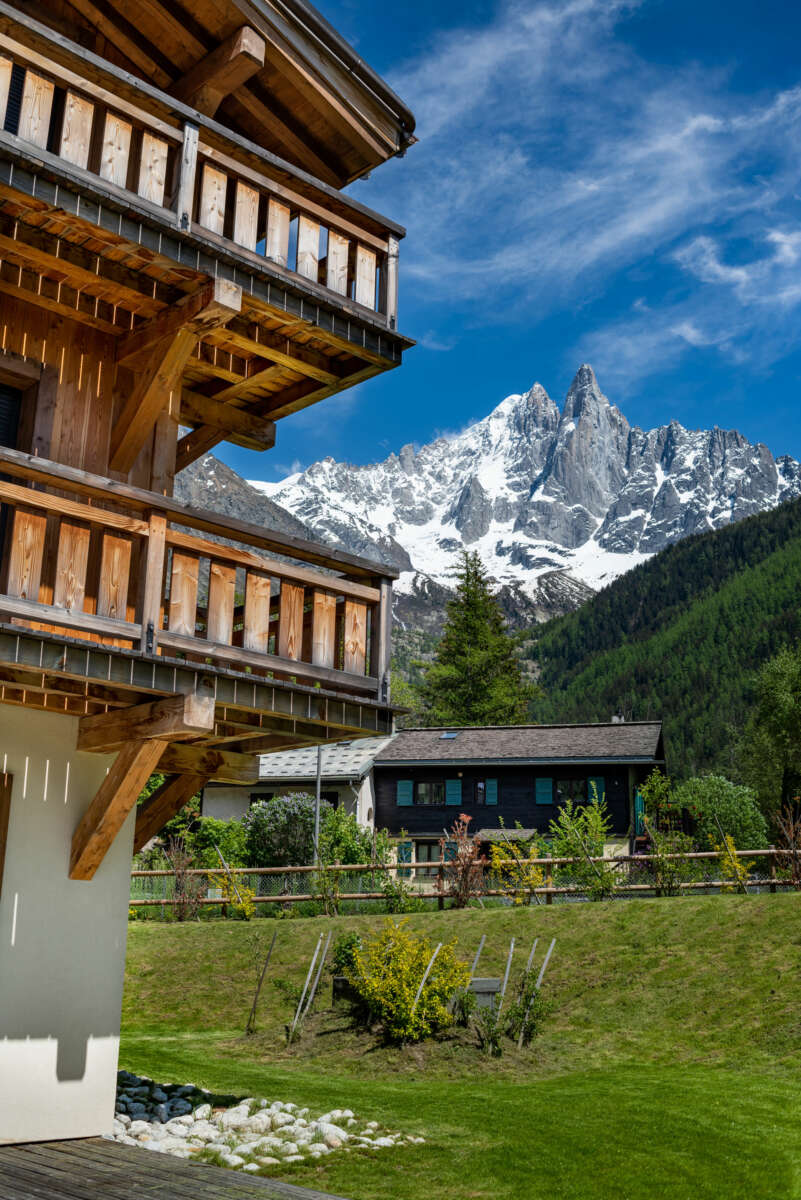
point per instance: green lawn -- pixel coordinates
(668, 1068)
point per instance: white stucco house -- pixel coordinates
(347, 779)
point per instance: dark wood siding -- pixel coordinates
(516, 797)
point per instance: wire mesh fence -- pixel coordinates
(354, 887)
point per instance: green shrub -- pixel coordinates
(388, 968)
(736, 807)
(580, 831)
(280, 832)
(344, 840)
(343, 956)
(208, 832)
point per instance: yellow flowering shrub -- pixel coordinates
(235, 894)
(514, 870)
(387, 970)
(734, 871)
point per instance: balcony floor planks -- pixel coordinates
(73, 1170)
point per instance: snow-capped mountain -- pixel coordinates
(556, 503)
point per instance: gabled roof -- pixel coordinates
(341, 761)
(632, 741)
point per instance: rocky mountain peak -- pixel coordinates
(574, 498)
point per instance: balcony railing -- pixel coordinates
(118, 566)
(205, 183)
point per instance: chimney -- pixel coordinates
(618, 718)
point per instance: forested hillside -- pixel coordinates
(680, 637)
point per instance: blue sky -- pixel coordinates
(600, 181)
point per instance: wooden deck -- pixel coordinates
(91, 1168)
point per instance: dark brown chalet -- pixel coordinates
(520, 775)
(179, 266)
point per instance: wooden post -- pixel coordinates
(187, 170)
(153, 582)
(381, 640)
(549, 883)
(773, 871)
(391, 281)
(441, 878)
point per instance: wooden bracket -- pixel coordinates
(174, 717)
(5, 812)
(224, 766)
(222, 71)
(116, 796)
(162, 805)
(161, 350)
(257, 432)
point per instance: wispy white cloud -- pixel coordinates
(553, 159)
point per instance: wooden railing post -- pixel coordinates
(390, 296)
(381, 640)
(773, 871)
(152, 582)
(187, 170)
(549, 883)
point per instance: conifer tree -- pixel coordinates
(475, 678)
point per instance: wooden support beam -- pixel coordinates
(115, 798)
(162, 805)
(222, 71)
(220, 765)
(174, 717)
(255, 339)
(148, 392)
(5, 813)
(204, 410)
(208, 302)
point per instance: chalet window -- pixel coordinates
(431, 793)
(543, 790)
(485, 791)
(404, 792)
(9, 416)
(257, 797)
(571, 789)
(426, 852)
(596, 788)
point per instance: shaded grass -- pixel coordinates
(668, 1068)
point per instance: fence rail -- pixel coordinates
(128, 568)
(301, 884)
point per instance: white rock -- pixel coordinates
(137, 1127)
(294, 1158)
(242, 1149)
(332, 1141)
(123, 1118)
(233, 1160)
(281, 1118)
(204, 1130)
(384, 1142)
(176, 1130)
(269, 1162)
(233, 1118)
(184, 1119)
(288, 1148)
(203, 1112)
(218, 1147)
(170, 1143)
(251, 1167)
(262, 1122)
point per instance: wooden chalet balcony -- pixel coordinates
(117, 566)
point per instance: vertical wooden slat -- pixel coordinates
(381, 640)
(72, 560)
(337, 263)
(355, 637)
(115, 150)
(365, 276)
(290, 621)
(212, 199)
(277, 247)
(183, 593)
(187, 170)
(256, 633)
(35, 109)
(308, 247)
(390, 288)
(27, 550)
(76, 131)
(324, 617)
(115, 574)
(5, 813)
(6, 66)
(222, 580)
(152, 581)
(153, 168)
(246, 216)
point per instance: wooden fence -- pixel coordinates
(417, 873)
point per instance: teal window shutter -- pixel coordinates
(596, 788)
(639, 814)
(543, 790)
(405, 792)
(450, 851)
(404, 856)
(492, 791)
(453, 791)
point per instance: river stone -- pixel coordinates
(233, 1118)
(233, 1160)
(203, 1112)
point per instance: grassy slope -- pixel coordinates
(668, 1068)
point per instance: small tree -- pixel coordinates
(770, 751)
(712, 799)
(463, 873)
(280, 832)
(208, 833)
(187, 889)
(514, 869)
(580, 832)
(475, 678)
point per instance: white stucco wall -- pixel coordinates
(62, 942)
(231, 803)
